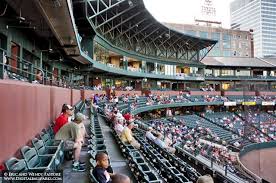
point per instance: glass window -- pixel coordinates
(214, 52)
(192, 33)
(227, 72)
(203, 34)
(226, 37)
(216, 72)
(242, 73)
(226, 53)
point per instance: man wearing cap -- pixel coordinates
(72, 136)
(127, 137)
(66, 112)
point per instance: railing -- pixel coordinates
(240, 77)
(142, 72)
(180, 104)
(252, 147)
(27, 71)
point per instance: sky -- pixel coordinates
(185, 11)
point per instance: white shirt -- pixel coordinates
(119, 128)
(150, 136)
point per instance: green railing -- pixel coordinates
(257, 146)
(172, 105)
(25, 70)
(249, 148)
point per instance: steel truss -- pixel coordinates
(128, 25)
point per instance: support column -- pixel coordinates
(2, 64)
(86, 80)
(125, 63)
(20, 65)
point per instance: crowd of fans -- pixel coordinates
(174, 132)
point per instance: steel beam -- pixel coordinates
(106, 9)
(124, 21)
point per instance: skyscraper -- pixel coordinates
(259, 16)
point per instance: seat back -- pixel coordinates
(93, 179)
(50, 132)
(30, 156)
(39, 146)
(46, 138)
(16, 164)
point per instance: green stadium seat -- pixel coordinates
(35, 161)
(16, 164)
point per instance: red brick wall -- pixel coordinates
(262, 163)
(218, 93)
(239, 93)
(267, 93)
(25, 110)
(58, 97)
(75, 96)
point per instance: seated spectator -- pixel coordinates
(70, 133)
(66, 112)
(127, 137)
(205, 179)
(149, 135)
(119, 127)
(120, 178)
(38, 78)
(100, 171)
(158, 141)
(127, 116)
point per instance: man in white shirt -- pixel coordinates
(149, 135)
(119, 127)
(162, 144)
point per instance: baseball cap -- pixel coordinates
(79, 117)
(67, 107)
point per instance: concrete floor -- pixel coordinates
(70, 176)
(118, 162)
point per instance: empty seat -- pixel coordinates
(35, 161)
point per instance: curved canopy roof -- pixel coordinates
(127, 24)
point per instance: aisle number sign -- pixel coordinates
(249, 103)
(230, 103)
(268, 103)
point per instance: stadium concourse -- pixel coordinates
(100, 91)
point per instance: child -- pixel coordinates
(100, 171)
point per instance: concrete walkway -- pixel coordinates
(70, 176)
(118, 162)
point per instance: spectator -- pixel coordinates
(127, 116)
(120, 178)
(205, 179)
(127, 137)
(100, 171)
(82, 129)
(119, 127)
(158, 141)
(38, 78)
(96, 99)
(66, 112)
(149, 135)
(70, 133)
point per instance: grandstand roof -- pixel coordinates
(236, 62)
(271, 61)
(128, 25)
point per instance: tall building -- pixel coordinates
(260, 17)
(231, 43)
